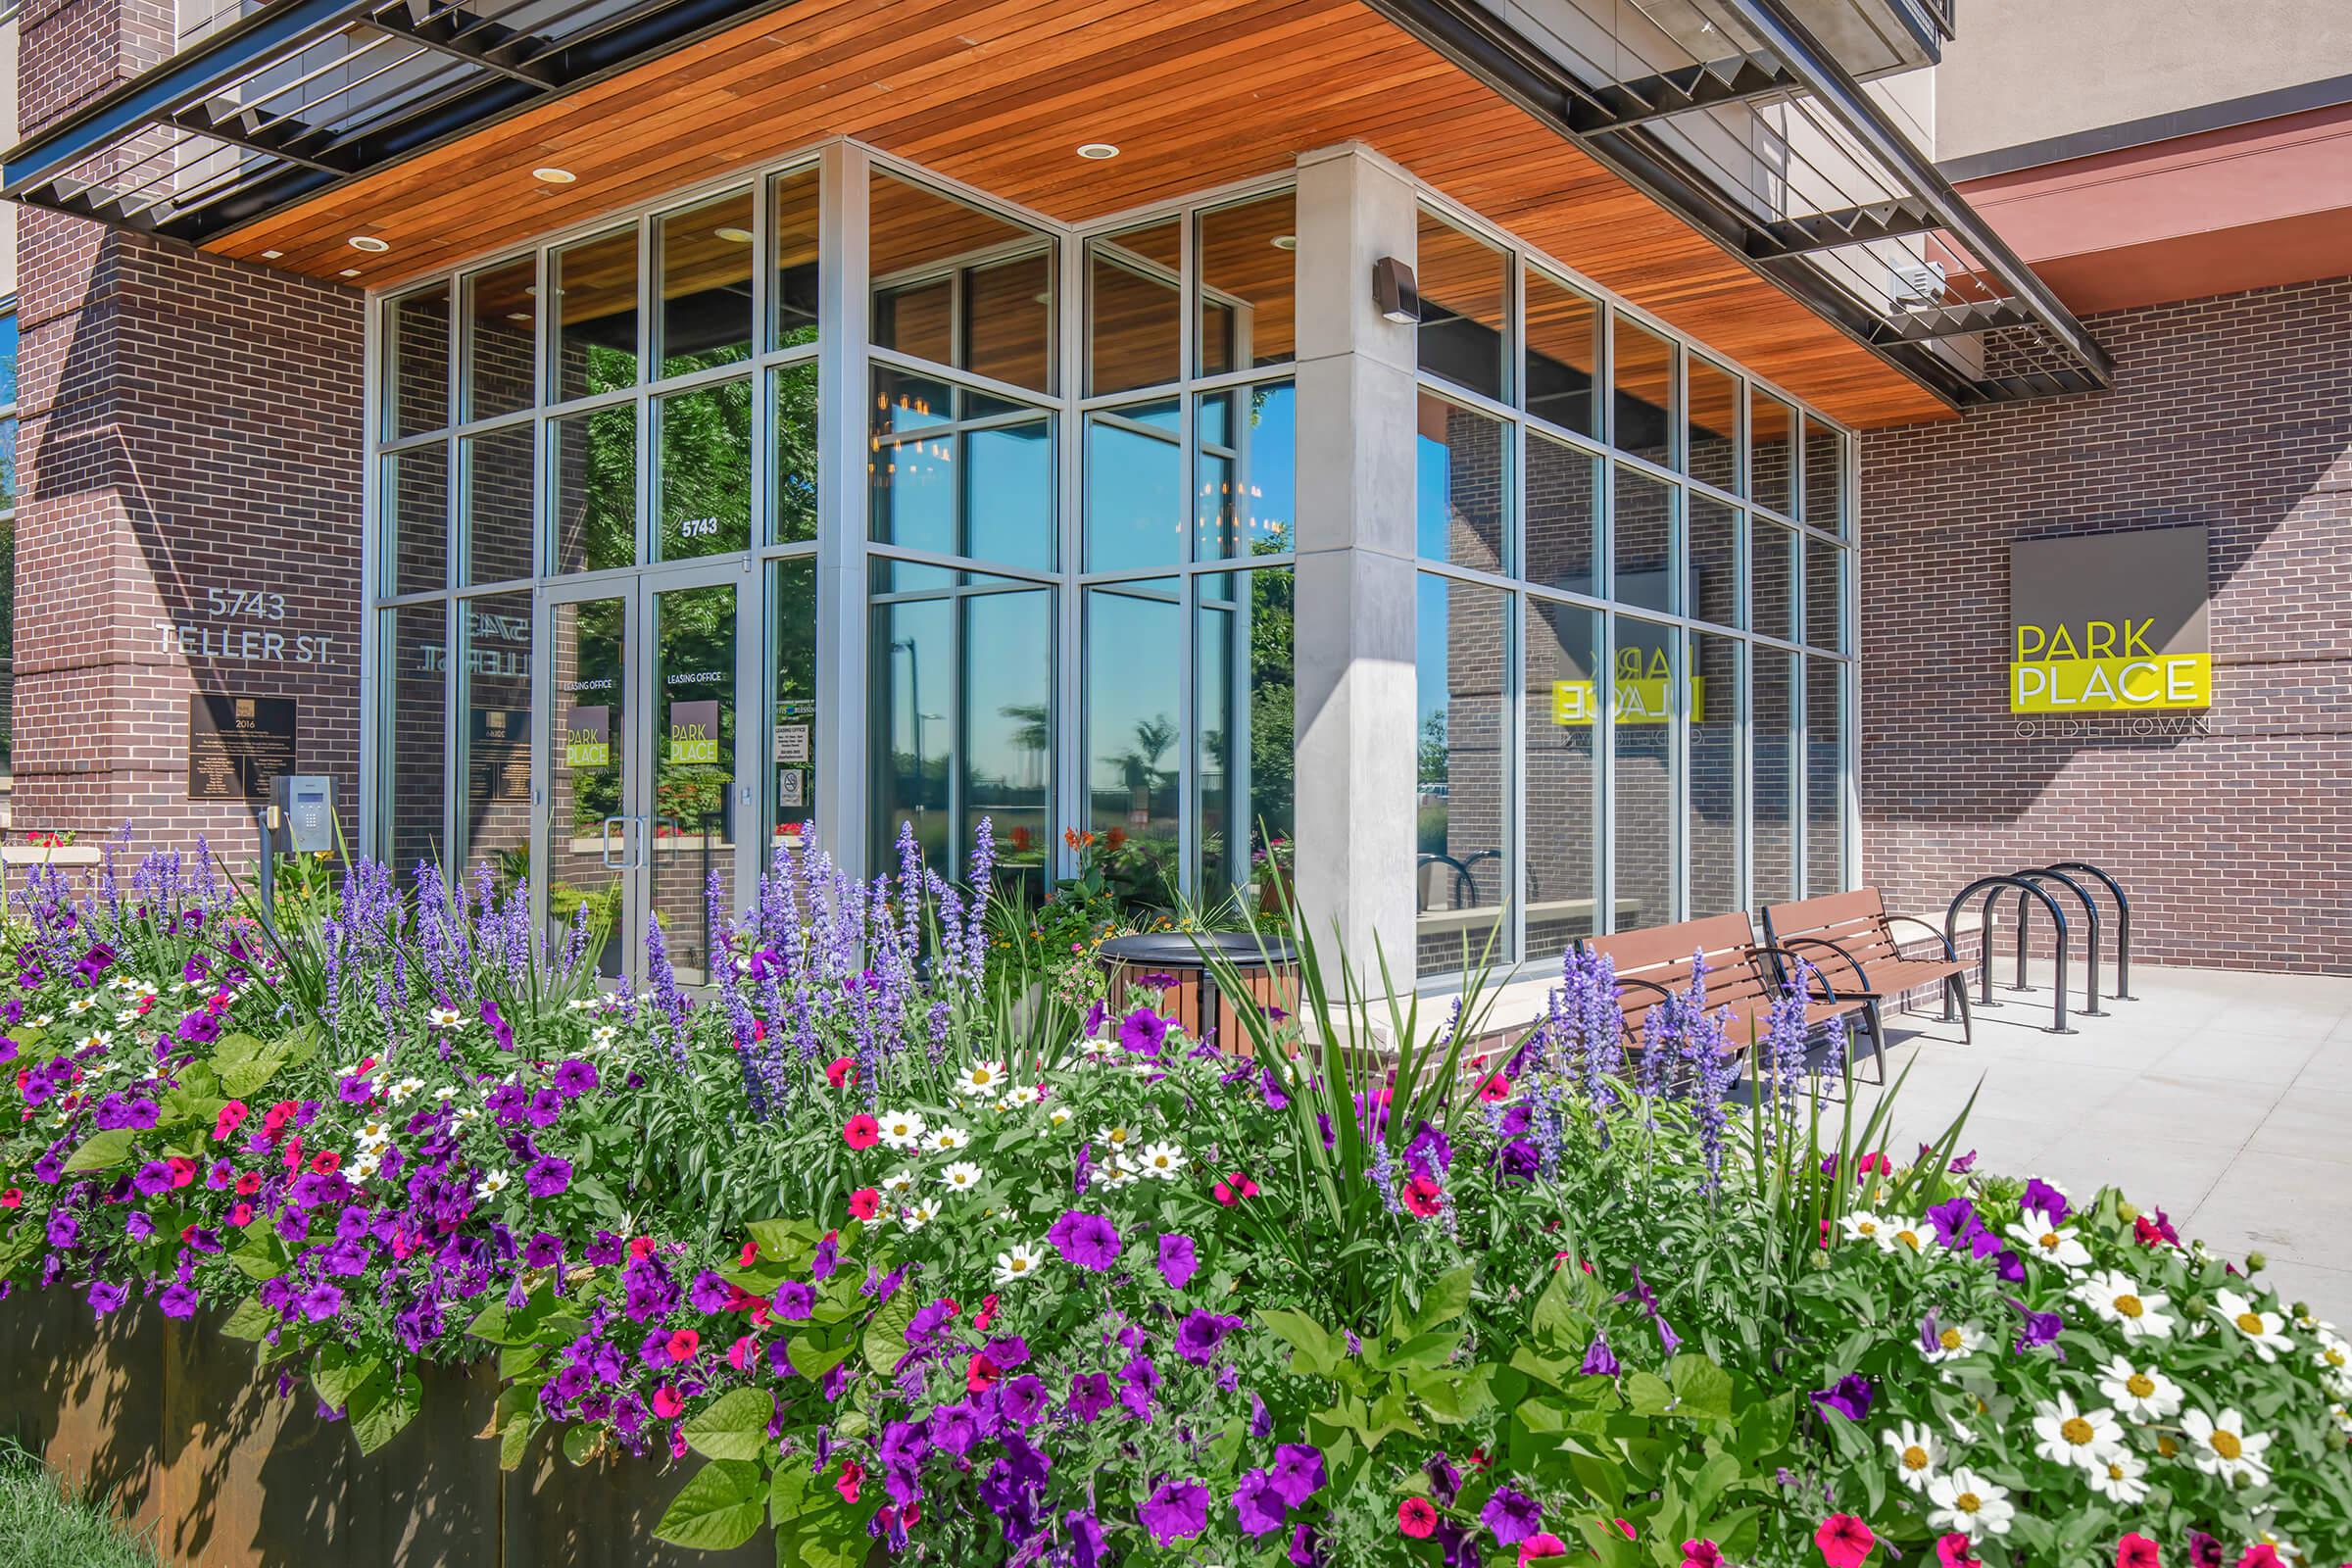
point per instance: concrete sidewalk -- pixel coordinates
(2223, 1098)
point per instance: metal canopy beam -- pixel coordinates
(262, 131)
(1622, 105)
(1923, 324)
(1841, 96)
(458, 33)
(1847, 226)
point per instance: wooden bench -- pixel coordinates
(1655, 964)
(1849, 937)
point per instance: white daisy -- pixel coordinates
(2333, 1358)
(1900, 1235)
(365, 1166)
(1967, 1502)
(446, 1017)
(1863, 1226)
(375, 1134)
(2263, 1327)
(2221, 1445)
(128, 1015)
(981, 1078)
(42, 1020)
(1917, 1453)
(446, 1093)
(2064, 1435)
(963, 1176)
(920, 1214)
(469, 1113)
(2043, 1238)
(2117, 1299)
(2117, 1478)
(98, 1039)
(584, 1004)
(2147, 1395)
(902, 1130)
(1161, 1161)
(405, 1090)
(604, 1034)
(81, 1005)
(491, 1185)
(946, 1140)
(899, 1183)
(1117, 1171)
(1017, 1263)
(2341, 1415)
(1954, 1340)
(1118, 1138)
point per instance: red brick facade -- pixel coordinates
(2234, 834)
(190, 509)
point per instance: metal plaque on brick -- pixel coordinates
(237, 745)
(2110, 623)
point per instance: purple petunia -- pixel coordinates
(154, 1179)
(1143, 1032)
(1090, 1395)
(1022, 1399)
(1599, 1360)
(1177, 1511)
(1257, 1506)
(1178, 1260)
(105, 1296)
(793, 1301)
(1201, 1333)
(2048, 1200)
(1298, 1472)
(575, 1078)
(2039, 1329)
(1087, 1239)
(708, 1292)
(1512, 1516)
(177, 1300)
(322, 1301)
(1849, 1396)
(547, 1176)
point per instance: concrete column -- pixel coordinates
(1354, 628)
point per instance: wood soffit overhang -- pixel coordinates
(997, 95)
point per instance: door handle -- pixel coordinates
(604, 845)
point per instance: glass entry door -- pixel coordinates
(644, 807)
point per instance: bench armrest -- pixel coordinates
(1860, 978)
(1800, 965)
(1929, 927)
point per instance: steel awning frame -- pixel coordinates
(1792, 251)
(482, 73)
(476, 70)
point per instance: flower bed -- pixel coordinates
(878, 1249)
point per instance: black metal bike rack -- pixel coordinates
(1991, 888)
(2123, 925)
(2091, 916)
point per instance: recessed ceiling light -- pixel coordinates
(518, 315)
(734, 235)
(369, 244)
(1285, 242)
(554, 175)
(272, 256)
(1097, 150)
(349, 271)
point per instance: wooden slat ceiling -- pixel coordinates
(999, 93)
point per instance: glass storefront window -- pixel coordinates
(1563, 521)
(703, 471)
(596, 489)
(1245, 679)
(962, 724)
(1825, 477)
(494, 769)
(961, 286)
(501, 308)
(961, 474)
(693, 828)
(1461, 485)
(1644, 404)
(1772, 452)
(1134, 740)
(596, 315)
(414, 737)
(1711, 428)
(1648, 667)
(416, 512)
(415, 363)
(1825, 777)
(1249, 284)
(795, 467)
(1642, 555)
(706, 270)
(1563, 349)
(1712, 707)
(1563, 700)
(1772, 791)
(1772, 579)
(1711, 586)
(1465, 286)
(792, 214)
(1462, 734)
(1135, 309)
(588, 750)
(1134, 487)
(498, 492)
(1246, 500)
(792, 648)
(1824, 602)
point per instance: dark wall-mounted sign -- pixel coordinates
(237, 745)
(2109, 623)
(498, 754)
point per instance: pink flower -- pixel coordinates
(862, 1132)
(1701, 1554)
(1421, 1196)
(231, 1117)
(738, 1354)
(840, 1071)
(1416, 1518)
(852, 1472)
(667, 1401)
(1495, 1088)
(2261, 1554)
(1952, 1552)
(683, 1345)
(1845, 1541)
(1542, 1545)
(865, 1203)
(2137, 1552)
(1234, 1188)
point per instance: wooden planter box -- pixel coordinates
(173, 1424)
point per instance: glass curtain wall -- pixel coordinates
(1633, 631)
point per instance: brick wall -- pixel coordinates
(190, 505)
(2230, 835)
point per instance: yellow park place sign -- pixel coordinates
(2103, 623)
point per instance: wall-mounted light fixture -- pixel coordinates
(1394, 291)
